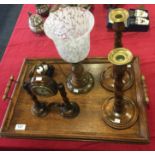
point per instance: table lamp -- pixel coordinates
(70, 28)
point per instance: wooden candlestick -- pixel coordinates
(118, 111)
(118, 71)
(67, 109)
(39, 108)
(118, 17)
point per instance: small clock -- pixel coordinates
(41, 90)
(42, 69)
(43, 86)
(40, 79)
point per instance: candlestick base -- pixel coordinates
(87, 82)
(107, 79)
(123, 120)
(70, 112)
(40, 111)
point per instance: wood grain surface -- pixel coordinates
(88, 125)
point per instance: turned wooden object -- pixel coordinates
(79, 81)
(77, 75)
(118, 71)
(118, 28)
(37, 104)
(64, 96)
(6, 92)
(118, 86)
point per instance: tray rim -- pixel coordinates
(11, 106)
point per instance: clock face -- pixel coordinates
(41, 91)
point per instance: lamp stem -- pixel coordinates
(77, 74)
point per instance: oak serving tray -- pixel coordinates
(88, 125)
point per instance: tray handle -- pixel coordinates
(145, 90)
(7, 89)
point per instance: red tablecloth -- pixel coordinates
(24, 44)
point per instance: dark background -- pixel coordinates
(8, 17)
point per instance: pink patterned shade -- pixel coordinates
(70, 29)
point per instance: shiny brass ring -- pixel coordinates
(118, 15)
(120, 56)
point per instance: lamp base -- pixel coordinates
(123, 120)
(107, 79)
(88, 81)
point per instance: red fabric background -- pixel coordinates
(24, 44)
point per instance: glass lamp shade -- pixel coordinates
(70, 29)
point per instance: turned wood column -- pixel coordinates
(64, 96)
(118, 28)
(77, 75)
(118, 87)
(118, 71)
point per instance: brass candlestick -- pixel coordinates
(118, 111)
(118, 17)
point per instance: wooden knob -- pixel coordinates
(8, 86)
(143, 77)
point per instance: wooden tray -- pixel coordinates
(89, 124)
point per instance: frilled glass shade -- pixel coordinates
(70, 29)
